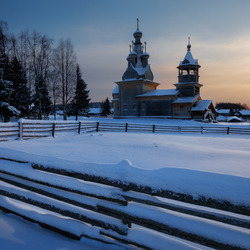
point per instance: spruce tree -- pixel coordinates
(6, 89)
(106, 109)
(80, 103)
(41, 99)
(20, 97)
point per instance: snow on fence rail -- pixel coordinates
(120, 210)
(31, 128)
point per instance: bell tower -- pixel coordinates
(188, 77)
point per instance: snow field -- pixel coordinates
(214, 166)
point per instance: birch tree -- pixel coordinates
(65, 64)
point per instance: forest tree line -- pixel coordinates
(36, 74)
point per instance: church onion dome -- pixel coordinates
(133, 54)
(137, 34)
(145, 55)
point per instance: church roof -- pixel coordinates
(245, 112)
(116, 90)
(189, 99)
(160, 92)
(188, 59)
(201, 105)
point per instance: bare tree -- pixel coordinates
(39, 48)
(3, 37)
(54, 89)
(65, 64)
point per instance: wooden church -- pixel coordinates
(137, 94)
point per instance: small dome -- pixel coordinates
(145, 55)
(133, 53)
(137, 34)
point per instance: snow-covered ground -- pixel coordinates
(19, 234)
(207, 162)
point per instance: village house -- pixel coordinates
(137, 94)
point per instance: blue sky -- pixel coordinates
(101, 31)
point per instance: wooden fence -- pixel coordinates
(110, 210)
(30, 129)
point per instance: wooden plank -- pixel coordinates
(80, 214)
(156, 222)
(72, 198)
(218, 215)
(59, 224)
(205, 201)
(84, 191)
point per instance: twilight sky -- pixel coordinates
(101, 31)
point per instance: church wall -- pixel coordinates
(116, 107)
(128, 101)
(186, 91)
(147, 88)
(156, 108)
(182, 110)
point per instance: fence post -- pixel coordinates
(97, 127)
(126, 128)
(202, 129)
(53, 129)
(228, 128)
(79, 127)
(153, 128)
(20, 128)
(179, 129)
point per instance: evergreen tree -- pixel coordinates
(20, 97)
(230, 105)
(6, 109)
(80, 103)
(41, 99)
(106, 110)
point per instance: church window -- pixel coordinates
(125, 107)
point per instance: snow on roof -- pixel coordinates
(188, 59)
(145, 54)
(223, 111)
(116, 90)
(132, 53)
(235, 119)
(245, 112)
(190, 99)
(140, 70)
(160, 92)
(201, 105)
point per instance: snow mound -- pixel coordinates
(125, 164)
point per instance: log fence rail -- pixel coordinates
(34, 129)
(111, 211)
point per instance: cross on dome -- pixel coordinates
(189, 45)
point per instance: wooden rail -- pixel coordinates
(30, 129)
(112, 212)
